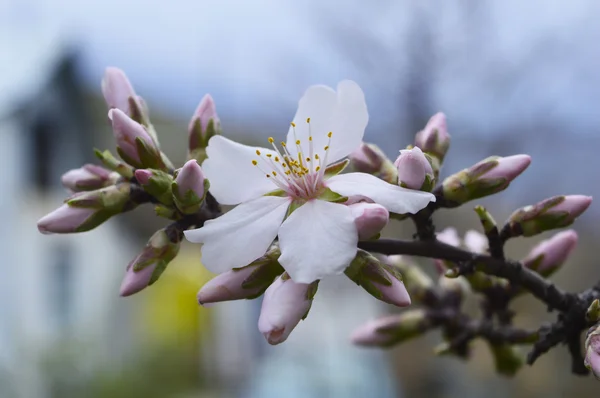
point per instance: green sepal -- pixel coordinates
(129, 160)
(278, 192)
(112, 163)
(95, 220)
(159, 186)
(166, 212)
(329, 196)
(486, 219)
(190, 202)
(296, 203)
(336, 168)
(507, 359)
(150, 156)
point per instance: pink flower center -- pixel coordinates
(300, 176)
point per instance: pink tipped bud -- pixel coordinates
(126, 131)
(190, 178)
(204, 124)
(243, 283)
(552, 213)
(549, 255)
(88, 177)
(117, 89)
(508, 168)
(487, 177)
(476, 242)
(380, 280)
(391, 330)
(434, 138)
(146, 267)
(592, 350)
(369, 218)
(414, 170)
(285, 304)
(190, 187)
(368, 158)
(64, 220)
(143, 176)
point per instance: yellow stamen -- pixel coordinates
(329, 134)
(269, 155)
(258, 152)
(316, 156)
(254, 162)
(326, 147)
(297, 142)
(318, 168)
(307, 120)
(271, 140)
(293, 124)
(274, 173)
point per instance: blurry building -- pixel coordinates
(55, 291)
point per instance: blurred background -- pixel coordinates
(511, 76)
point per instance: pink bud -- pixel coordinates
(190, 178)
(434, 138)
(367, 159)
(88, 177)
(476, 242)
(368, 334)
(413, 167)
(65, 219)
(369, 218)
(117, 89)
(394, 329)
(575, 205)
(592, 351)
(229, 286)
(284, 305)
(550, 254)
(147, 266)
(143, 176)
(205, 111)
(134, 282)
(395, 294)
(126, 130)
(508, 167)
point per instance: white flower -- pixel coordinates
(319, 237)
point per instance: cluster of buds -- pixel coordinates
(142, 174)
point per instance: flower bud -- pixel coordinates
(507, 359)
(117, 89)
(489, 176)
(418, 284)
(547, 256)
(88, 177)
(414, 170)
(369, 218)
(285, 304)
(190, 187)
(204, 124)
(434, 138)
(368, 158)
(157, 183)
(134, 144)
(243, 283)
(86, 210)
(592, 350)
(147, 267)
(392, 330)
(592, 314)
(379, 280)
(552, 213)
(112, 163)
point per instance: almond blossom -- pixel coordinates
(289, 191)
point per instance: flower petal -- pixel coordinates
(318, 239)
(343, 113)
(241, 235)
(233, 178)
(394, 198)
